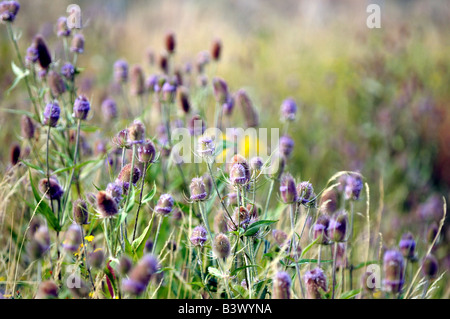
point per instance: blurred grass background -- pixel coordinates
(372, 100)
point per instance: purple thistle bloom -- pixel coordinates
(51, 114)
(256, 163)
(315, 280)
(165, 205)
(286, 146)
(288, 189)
(109, 109)
(305, 192)
(68, 71)
(281, 285)
(206, 146)
(198, 236)
(289, 109)
(393, 266)
(115, 191)
(407, 245)
(62, 27)
(77, 44)
(32, 54)
(73, 239)
(198, 189)
(9, 10)
(237, 174)
(121, 71)
(81, 107)
(353, 187)
(152, 83)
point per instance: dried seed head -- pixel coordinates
(281, 286)
(221, 246)
(106, 205)
(68, 71)
(56, 83)
(136, 132)
(288, 109)
(47, 290)
(432, 232)
(115, 191)
(239, 159)
(207, 180)
(51, 189)
(170, 42)
(196, 125)
(220, 222)
(329, 202)
(321, 229)
(80, 212)
(125, 175)
(125, 265)
(250, 114)
(286, 146)
(109, 110)
(407, 246)
(137, 80)
(337, 228)
(146, 152)
(315, 281)
(81, 107)
(96, 258)
(121, 139)
(14, 153)
(73, 238)
(241, 217)
(198, 189)
(430, 267)
(393, 266)
(183, 99)
(140, 275)
(305, 192)
(198, 236)
(62, 29)
(288, 190)
(165, 205)
(163, 63)
(220, 90)
(9, 10)
(77, 44)
(216, 49)
(51, 114)
(121, 71)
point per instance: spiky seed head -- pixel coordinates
(51, 188)
(170, 41)
(80, 212)
(256, 163)
(125, 265)
(183, 99)
(221, 246)
(77, 44)
(56, 83)
(136, 132)
(198, 189)
(198, 236)
(106, 205)
(81, 107)
(353, 187)
(51, 114)
(407, 246)
(206, 146)
(47, 290)
(337, 228)
(430, 267)
(73, 238)
(288, 189)
(216, 49)
(329, 201)
(62, 29)
(305, 192)
(220, 90)
(315, 281)
(220, 222)
(321, 229)
(281, 285)
(393, 267)
(251, 116)
(165, 205)
(43, 54)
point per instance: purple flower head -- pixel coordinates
(198, 189)
(286, 146)
(205, 146)
(315, 281)
(136, 132)
(198, 236)
(121, 139)
(288, 109)
(321, 229)
(121, 71)
(9, 10)
(151, 83)
(430, 267)
(109, 109)
(256, 163)
(68, 71)
(228, 106)
(407, 246)
(165, 205)
(62, 29)
(32, 54)
(337, 227)
(393, 266)
(140, 275)
(77, 44)
(81, 107)
(353, 187)
(196, 126)
(51, 188)
(305, 192)
(281, 285)
(73, 238)
(237, 174)
(288, 190)
(146, 152)
(220, 90)
(115, 191)
(51, 114)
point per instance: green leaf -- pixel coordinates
(139, 243)
(148, 197)
(350, 294)
(69, 168)
(234, 272)
(37, 168)
(215, 272)
(19, 76)
(307, 248)
(360, 265)
(253, 228)
(131, 202)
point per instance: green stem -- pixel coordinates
(157, 234)
(140, 200)
(294, 247)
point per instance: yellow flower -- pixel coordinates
(89, 238)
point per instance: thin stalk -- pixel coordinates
(201, 272)
(85, 256)
(157, 234)
(425, 289)
(140, 200)
(294, 246)
(334, 268)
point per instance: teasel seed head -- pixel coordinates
(9, 10)
(140, 275)
(353, 187)
(56, 83)
(393, 266)
(281, 286)
(237, 174)
(198, 236)
(288, 189)
(407, 246)
(44, 56)
(115, 191)
(430, 267)
(183, 99)
(163, 63)
(77, 44)
(196, 125)
(286, 146)
(146, 152)
(206, 147)
(121, 71)
(62, 29)
(125, 265)
(216, 49)
(96, 258)
(329, 201)
(256, 164)
(198, 189)
(137, 80)
(81, 107)
(170, 42)
(73, 238)
(337, 228)
(315, 281)
(136, 132)
(51, 114)
(47, 290)
(288, 109)
(305, 192)
(432, 232)
(14, 153)
(121, 139)
(106, 205)
(221, 246)
(125, 174)
(220, 222)
(109, 110)
(68, 71)
(80, 290)
(165, 205)
(55, 191)
(80, 212)
(321, 229)
(250, 114)
(239, 159)
(221, 93)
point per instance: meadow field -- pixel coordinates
(135, 164)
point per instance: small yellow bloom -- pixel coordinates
(89, 238)
(377, 294)
(91, 294)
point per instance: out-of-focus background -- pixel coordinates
(371, 100)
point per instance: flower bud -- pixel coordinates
(106, 205)
(221, 246)
(96, 258)
(315, 281)
(281, 286)
(216, 49)
(432, 232)
(137, 80)
(353, 187)
(146, 152)
(206, 146)
(430, 267)
(286, 146)
(407, 246)
(198, 236)
(198, 189)
(121, 139)
(196, 125)
(163, 63)
(280, 237)
(151, 84)
(109, 110)
(136, 132)
(321, 229)
(51, 114)
(56, 83)
(51, 188)
(125, 175)
(220, 90)
(183, 99)
(73, 238)
(165, 205)
(44, 57)
(329, 201)
(15, 153)
(125, 265)
(121, 71)
(80, 212)
(393, 266)
(288, 109)
(77, 44)
(32, 55)
(115, 191)
(47, 290)
(9, 10)
(170, 42)
(337, 228)
(250, 114)
(81, 107)
(68, 71)
(237, 174)
(62, 29)
(288, 190)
